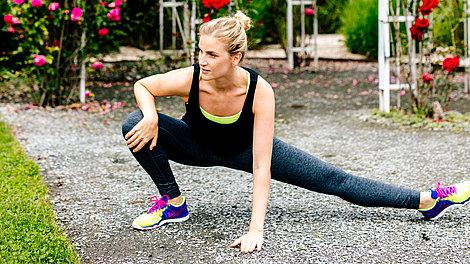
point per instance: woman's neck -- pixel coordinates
(231, 80)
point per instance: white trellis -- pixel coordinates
(384, 56)
(290, 31)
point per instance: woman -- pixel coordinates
(229, 122)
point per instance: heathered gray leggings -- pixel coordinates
(289, 165)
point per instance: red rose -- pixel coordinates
(427, 78)
(427, 6)
(206, 3)
(449, 64)
(422, 23)
(216, 4)
(103, 32)
(206, 18)
(416, 33)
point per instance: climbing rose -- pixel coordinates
(39, 60)
(427, 6)
(309, 12)
(103, 32)
(422, 23)
(113, 14)
(8, 19)
(53, 6)
(11, 29)
(427, 78)
(77, 14)
(97, 66)
(449, 64)
(416, 33)
(36, 3)
(18, 2)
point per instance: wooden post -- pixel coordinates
(161, 24)
(290, 53)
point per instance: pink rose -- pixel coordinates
(113, 15)
(309, 12)
(115, 4)
(10, 29)
(66, 12)
(77, 14)
(103, 3)
(39, 60)
(36, 3)
(18, 2)
(89, 94)
(97, 66)
(53, 6)
(103, 32)
(8, 19)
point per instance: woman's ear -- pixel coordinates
(236, 58)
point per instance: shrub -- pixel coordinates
(45, 43)
(360, 27)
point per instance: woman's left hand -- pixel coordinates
(249, 242)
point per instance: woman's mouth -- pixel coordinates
(204, 71)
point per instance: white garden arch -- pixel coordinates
(384, 56)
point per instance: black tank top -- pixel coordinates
(224, 139)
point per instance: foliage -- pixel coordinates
(28, 231)
(46, 43)
(329, 15)
(453, 121)
(447, 23)
(360, 27)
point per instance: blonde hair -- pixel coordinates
(229, 30)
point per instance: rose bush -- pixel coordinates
(45, 43)
(435, 86)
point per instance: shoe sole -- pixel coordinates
(448, 208)
(161, 223)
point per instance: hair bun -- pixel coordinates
(243, 19)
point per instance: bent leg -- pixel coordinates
(294, 166)
(174, 143)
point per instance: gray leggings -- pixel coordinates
(289, 165)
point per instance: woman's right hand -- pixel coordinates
(142, 133)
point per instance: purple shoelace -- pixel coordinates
(158, 203)
(446, 191)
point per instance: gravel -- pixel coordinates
(97, 188)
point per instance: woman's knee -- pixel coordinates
(132, 119)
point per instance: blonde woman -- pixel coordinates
(229, 122)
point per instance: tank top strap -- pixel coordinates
(194, 91)
(248, 106)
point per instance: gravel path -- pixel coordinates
(97, 188)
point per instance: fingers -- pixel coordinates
(154, 141)
(236, 242)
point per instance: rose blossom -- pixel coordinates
(427, 78)
(416, 33)
(422, 23)
(427, 6)
(103, 32)
(77, 14)
(449, 64)
(113, 14)
(11, 29)
(36, 3)
(53, 6)
(97, 65)
(206, 18)
(115, 4)
(8, 19)
(18, 2)
(39, 60)
(309, 12)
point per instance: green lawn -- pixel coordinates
(28, 231)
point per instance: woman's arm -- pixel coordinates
(176, 82)
(262, 151)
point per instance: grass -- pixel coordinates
(453, 121)
(28, 230)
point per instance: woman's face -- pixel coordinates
(214, 59)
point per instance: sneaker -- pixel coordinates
(447, 197)
(161, 213)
